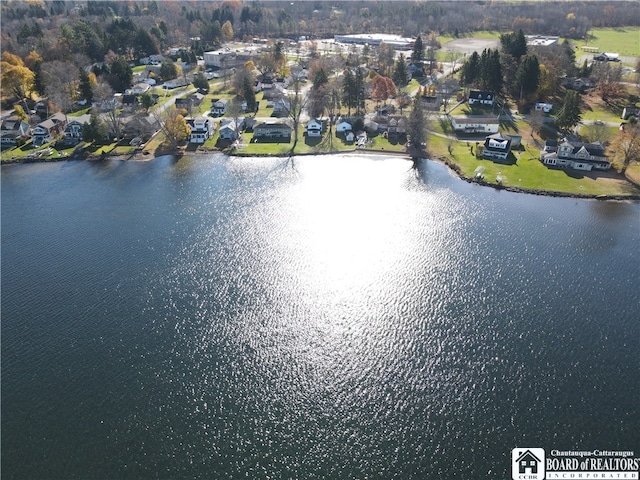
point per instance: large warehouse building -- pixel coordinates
(376, 39)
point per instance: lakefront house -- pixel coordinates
(572, 153)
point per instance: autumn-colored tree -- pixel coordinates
(227, 30)
(173, 126)
(382, 88)
(17, 79)
(19, 112)
(626, 146)
(403, 101)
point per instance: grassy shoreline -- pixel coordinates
(523, 173)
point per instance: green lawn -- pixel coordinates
(528, 172)
(623, 40)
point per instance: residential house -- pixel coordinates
(219, 107)
(314, 128)
(544, 107)
(415, 70)
(430, 102)
(272, 130)
(550, 145)
(478, 97)
(265, 82)
(343, 126)
(397, 126)
(580, 84)
(496, 147)
(630, 111)
(572, 153)
(370, 126)
(11, 130)
(196, 98)
(475, 124)
(349, 137)
(140, 88)
(230, 130)
(140, 126)
(73, 130)
(175, 83)
(281, 106)
(129, 102)
(607, 57)
(202, 128)
(49, 129)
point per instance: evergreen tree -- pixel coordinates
(169, 70)
(147, 101)
(570, 115)
(417, 124)
(359, 91)
(527, 76)
(320, 78)
(120, 74)
(200, 82)
(490, 71)
(249, 93)
(470, 72)
(95, 130)
(400, 72)
(348, 87)
(514, 44)
(418, 50)
(86, 86)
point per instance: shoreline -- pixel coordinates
(454, 168)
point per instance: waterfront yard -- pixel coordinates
(524, 170)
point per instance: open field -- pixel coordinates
(624, 40)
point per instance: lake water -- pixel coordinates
(331, 317)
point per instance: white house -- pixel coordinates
(11, 130)
(140, 88)
(73, 131)
(475, 124)
(577, 155)
(496, 146)
(314, 128)
(343, 127)
(202, 128)
(480, 98)
(219, 107)
(272, 130)
(229, 130)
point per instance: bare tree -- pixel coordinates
(536, 120)
(597, 132)
(297, 103)
(62, 82)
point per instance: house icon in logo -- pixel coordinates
(528, 462)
